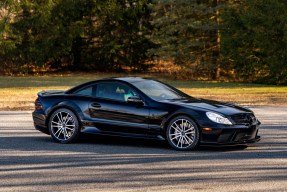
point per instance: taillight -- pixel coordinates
(38, 104)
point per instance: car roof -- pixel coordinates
(124, 79)
(129, 79)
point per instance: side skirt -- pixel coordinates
(93, 130)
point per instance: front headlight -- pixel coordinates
(218, 118)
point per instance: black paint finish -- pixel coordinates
(147, 118)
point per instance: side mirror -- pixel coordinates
(135, 99)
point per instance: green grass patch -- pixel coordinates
(19, 93)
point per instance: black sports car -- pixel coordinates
(142, 108)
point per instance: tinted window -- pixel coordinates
(114, 90)
(86, 91)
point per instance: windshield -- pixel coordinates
(158, 91)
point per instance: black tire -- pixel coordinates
(182, 133)
(64, 126)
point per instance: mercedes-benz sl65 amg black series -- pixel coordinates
(142, 108)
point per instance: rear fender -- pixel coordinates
(68, 105)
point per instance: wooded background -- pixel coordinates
(237, 40)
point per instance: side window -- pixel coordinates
(88, 91)
(114, 90)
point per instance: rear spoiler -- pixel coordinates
(51, 92)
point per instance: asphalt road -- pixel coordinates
(30, 161)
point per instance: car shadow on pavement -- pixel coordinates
(143, 143)
(116, 145)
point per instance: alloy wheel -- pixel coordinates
(183, 134)
(63, 125)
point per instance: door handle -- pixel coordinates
(96, 105)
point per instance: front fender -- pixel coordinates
(194, 115)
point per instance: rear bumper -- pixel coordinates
(39, 119)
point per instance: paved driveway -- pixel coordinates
(30, 161)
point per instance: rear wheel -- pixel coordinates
(182, 133)
(64, 126)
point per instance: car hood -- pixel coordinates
(210, 105)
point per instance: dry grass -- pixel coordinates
(19, 93)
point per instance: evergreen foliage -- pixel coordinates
(186, 32)
(74, 34)
(244, 40)
(254, 40)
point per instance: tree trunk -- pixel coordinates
(216, 51)
(77, 56)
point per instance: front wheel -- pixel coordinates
(182, 133)
(64, 126)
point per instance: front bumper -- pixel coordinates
(245, 142)
(231, 136)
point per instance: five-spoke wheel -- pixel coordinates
(64, 126)
(182, 133)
